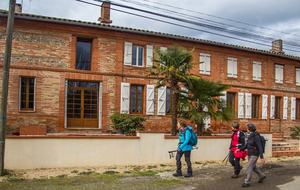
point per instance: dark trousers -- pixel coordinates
(235, 162)
(187, 156)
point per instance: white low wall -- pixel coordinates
(146, 148)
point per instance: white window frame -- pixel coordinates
(204, 68)
(256, 71)
(137, 56)
(278, 74)
(232, 67)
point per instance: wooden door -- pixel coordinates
(82, 104)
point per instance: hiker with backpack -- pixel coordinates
(238, 139)
(184, 148)
(255, 146)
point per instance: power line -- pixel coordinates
(177, 19)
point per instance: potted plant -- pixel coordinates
(118, 120)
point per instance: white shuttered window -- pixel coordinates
(298, 76)
(279, 74)
(285, 107)
(125, 95)
(256, 71)
(264, 106)
(150, 100)
(248, 105)
(293, 108)
(232, 67)
(272, 109)
(204, 67)
(149, 61)
(128, 54)
(241, 105)
(161, 103)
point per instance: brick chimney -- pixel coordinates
(277, 46)
(18, 8)
(105, 13)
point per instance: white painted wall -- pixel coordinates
(149, 148)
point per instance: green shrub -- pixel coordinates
(127, 123)
(295, 131)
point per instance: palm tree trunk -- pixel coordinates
(199, 125)
(175, 99)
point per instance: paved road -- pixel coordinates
(281, 176)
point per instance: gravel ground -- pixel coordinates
(165, 171)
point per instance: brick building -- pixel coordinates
(68, 74)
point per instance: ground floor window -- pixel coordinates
(255, 103)
(277, 107)
(136, 99)
(297, 108)
(230, 100)
(27, 87)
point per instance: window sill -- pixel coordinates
(26, 111)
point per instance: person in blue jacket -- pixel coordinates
(184, 148)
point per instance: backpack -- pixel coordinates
(245, 135)
(263, 141)
(194, 139)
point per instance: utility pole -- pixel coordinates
(7, 55)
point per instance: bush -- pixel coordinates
(127, 123)
(295, 131)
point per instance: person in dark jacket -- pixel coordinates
(184, 148)
(237, 141)
(255, 149)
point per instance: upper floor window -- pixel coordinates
(279, 74)
(232, 67)
(83, 54)
(255, 103)
(27, 92)
(136, 99)
(256, 74)
(298, 76)
(137, 56)
(204, 67)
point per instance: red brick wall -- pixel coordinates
(49, 54)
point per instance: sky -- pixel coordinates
(254, 23)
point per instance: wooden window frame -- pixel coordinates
(137, 56)
(136, 95)
(228, 100)
(27, 94)
(89, 40)
(277, 107)
(255, 106)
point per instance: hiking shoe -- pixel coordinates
(234, 176)
(177, 174)
(262, 179)
(246, 185)
(189, 175)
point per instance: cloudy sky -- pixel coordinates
(252, 23)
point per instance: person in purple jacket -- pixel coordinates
(184, 148)
(255, 150)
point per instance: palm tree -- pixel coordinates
(172, 67)
(203, 101)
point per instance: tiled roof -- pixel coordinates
(147, 32)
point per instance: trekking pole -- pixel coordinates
(171, 153)
(225, 158)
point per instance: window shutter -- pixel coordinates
(241, 105)
(202, 65)
(150, 100)
(128, 54)
(298, 76)
(272, 109)
(264, 106)
(232, 67)
(125, 95)
(293, 108)
(149, 61)
(248, 105)
(223, 98)
(206, 122)
(279, 74)
(161, 103)
(256, 71)
(207, 64)
(285, 107)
